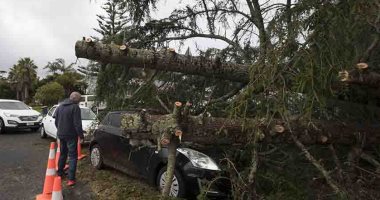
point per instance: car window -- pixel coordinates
(87, 114)
(91, 98)
(51, 111)
(115, 120)
(105, 120)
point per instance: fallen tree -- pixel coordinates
(164, 60)
(361, 76)
(171, 129)
(203, 131)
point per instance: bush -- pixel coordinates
(50, 93)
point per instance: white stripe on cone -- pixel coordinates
(51, 154)
(50, 172)
(57, 195)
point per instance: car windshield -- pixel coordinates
(87, 114)
(13, 106)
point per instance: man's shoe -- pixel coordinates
(70, 183)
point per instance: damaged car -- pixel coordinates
(195, 172)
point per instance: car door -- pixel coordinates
(141, 156)
(49, 125)
(141, 151)
(121, 151)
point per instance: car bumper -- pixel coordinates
(16, 123)
(211, 182)
(23, 125)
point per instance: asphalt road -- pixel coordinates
(23, 161)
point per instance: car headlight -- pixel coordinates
(199, 159)
(10, 115)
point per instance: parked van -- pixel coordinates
(87, 101)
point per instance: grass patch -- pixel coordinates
(110, 184)
(38, 108)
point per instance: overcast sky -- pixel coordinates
(48, 29)
(44, 29)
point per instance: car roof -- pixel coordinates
(9, 100)
(78, 104)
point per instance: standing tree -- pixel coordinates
(58, 65)
(71, 81)
(50, 94)
(21, 77)
(5, 88)
(112, 24)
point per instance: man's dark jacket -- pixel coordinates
(68, 120)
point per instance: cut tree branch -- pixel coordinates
(361, 76)
(166, 60)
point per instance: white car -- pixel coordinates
(88, 121)
(17, 115)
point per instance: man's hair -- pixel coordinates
(75, 97)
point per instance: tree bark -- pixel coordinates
(172, 150)
(165, 60)
(204, 131)
(371, 79)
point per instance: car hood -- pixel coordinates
(21, 112)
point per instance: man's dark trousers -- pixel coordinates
(68, 147)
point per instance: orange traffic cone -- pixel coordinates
(57, 155)
(50, 174)
(80, 155)
(57, 189)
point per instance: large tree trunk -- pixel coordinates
(165, 60)
(371, 79)
(201, 131)
(26, 93)
(361, 76)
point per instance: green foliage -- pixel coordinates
(50, 93)
(5, 90)
(71, 81)
(22, 76)
(111, 25)
(58, 65)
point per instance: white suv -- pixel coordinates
(17, 115)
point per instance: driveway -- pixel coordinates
(23, 160)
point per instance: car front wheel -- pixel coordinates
(96, 157)
(42, 132)
(178, 185)
(1, 126)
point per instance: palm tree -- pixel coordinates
(58, 66)
(21, 77)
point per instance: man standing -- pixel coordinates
(69, 127)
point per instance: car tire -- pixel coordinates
(42, 132)
(96, 157)
(2, 126)
(178, 182)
